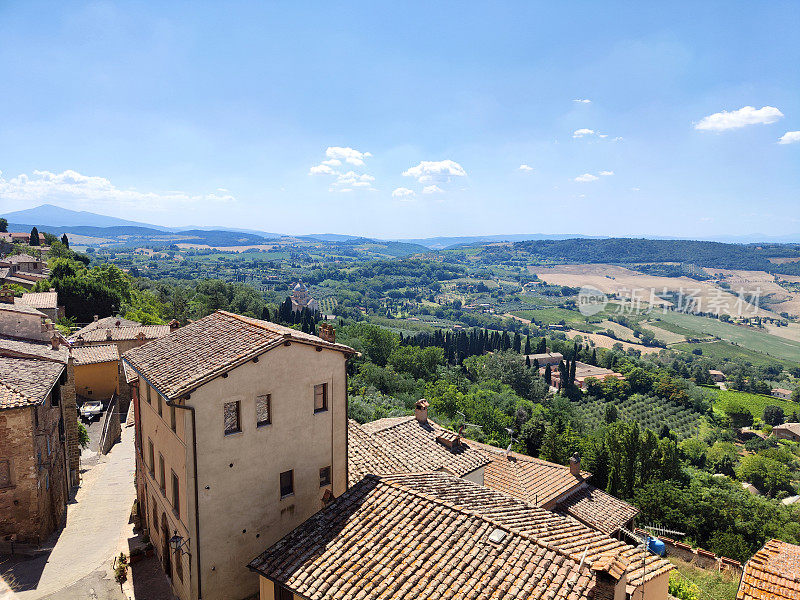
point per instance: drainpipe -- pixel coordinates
(196, 496)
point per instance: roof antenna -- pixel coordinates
(465, 424)
(511, 443)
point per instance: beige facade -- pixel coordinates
(240, 508)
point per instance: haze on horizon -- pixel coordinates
(404, 121)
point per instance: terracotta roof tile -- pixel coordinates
(89, 355)
(772, 573)
(367, 456)
(413, 445)
(21, 308)
(118, 334)
(384, 538)
(39, 299)
(31, 349)
(597, 509)
(183, 360)
(25, 381)
(106, 323)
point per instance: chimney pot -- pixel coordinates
(421, 410)
(96, 318)
(174, 324)
(55, 342)
(108, 334)
(327, 332)
(575, 465)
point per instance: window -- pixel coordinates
(263, 410)
(176, 494)
(179, 565)
(281, 593)
(151, 457)
(154, 527)
(161, 477)
(287, 483)
(5, 473)
(324, 476)
(55, 397)
(149, 400)
(172, 419)
(320, 397)
(231, 417)
(160, 407)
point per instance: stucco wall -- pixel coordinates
(97, 381)
(23, 325)
(655, 589)
(241, 511)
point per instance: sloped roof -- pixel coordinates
(565, 534)
(530, 479)
(773, 572)
(597, 509)
(366, 455)
(129, 373)
(39, 299)
(31, 349)
(25, 381)
(18, 258)
(89, 355)
(121, 334)
(20, 308)
(385, 539)
(191, 355)
(414, 445)
(793, 427)
(106, 323)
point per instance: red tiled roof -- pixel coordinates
(25, 381)
(89, 355)
(119, 334)
(191, 355)
(597, 509)
(39, 299)
(773, 573)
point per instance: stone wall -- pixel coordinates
(69, 412)
(112, 428)
(699, 557)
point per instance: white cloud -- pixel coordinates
(435, 171)
(586, 177)
(582, 100)
(579, 133)
(432, 189)
(635, 189)
(402, 192)
(525, 167)
(746, 115)
(790, 137)
(73, 189)
(351, 179)
(334, 162)
(606, 173)
(322, 169)
(350, 155)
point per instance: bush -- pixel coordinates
(681, 588)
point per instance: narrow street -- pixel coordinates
(97, 529)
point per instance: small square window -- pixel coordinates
(231, 418)
(324, 476)
(162, 479)
(263, 410)
(321, 397)
(287, 483)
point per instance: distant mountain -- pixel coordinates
(439, 243)
(48, 215)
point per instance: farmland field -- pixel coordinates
(754, 402)
(719, 350)
(747, 337)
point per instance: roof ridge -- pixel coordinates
(474, 513)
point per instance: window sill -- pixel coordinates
(287, 496)
(320, 410)
(262, 425)
(232, 433)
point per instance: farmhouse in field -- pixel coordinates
(782, 393)
(717, 376)
(583, 371)
(547, 358)
(787, 431)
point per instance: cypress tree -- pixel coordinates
(527, 345)
(548, 374)
(527, 361)
(572, 372)
(34, 237)
(65, 240)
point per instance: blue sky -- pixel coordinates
(407, 119)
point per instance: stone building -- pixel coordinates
(301, 299)
(34, 459)
(241, 435)
(44, 302)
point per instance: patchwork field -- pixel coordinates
(746, 337)
(611, 279)
(720, 350)
(778, 298)
(603, 341)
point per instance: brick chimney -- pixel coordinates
(174, 324)
(96, 318)
(575, 465)
(327, 332)
(108, 334)
(421, 410)
(610, 580)
(55, 341)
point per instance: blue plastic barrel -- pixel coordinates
(656, 546)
